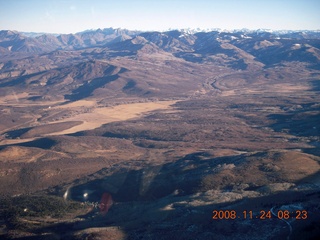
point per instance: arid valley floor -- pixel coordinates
(135, 135)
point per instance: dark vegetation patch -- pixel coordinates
(238, 65)
(17, 133)
(130, 84)
(13, 209)
(36, 206)
(301, 122)
(315, 84)
(34, 98)
(158, 132)
(37, 131)
(44, 143)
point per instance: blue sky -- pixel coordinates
(70, 16)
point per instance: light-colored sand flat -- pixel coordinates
(228, 93)
(100, 116)
(287, 87)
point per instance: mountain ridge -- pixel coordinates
(238, 47)
(100, 37)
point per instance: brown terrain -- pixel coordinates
(170, 126)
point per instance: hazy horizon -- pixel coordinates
(70, 16)
(167, 30)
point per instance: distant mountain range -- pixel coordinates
(266, 47)
(107, 62)
(13, 41)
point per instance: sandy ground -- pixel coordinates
(100, 116)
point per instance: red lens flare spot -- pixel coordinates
(105, 203)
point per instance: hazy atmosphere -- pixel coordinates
(70, 16)
(139, 120)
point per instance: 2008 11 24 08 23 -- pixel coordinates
(262, 214)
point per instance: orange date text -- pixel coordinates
(262, 214)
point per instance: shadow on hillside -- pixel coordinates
(303, 125)
(154, 220)
(86, 89)
(304, 122)
(43, 143)
(166, 202)
(17, 133)
(18, 81)
(315, 84)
